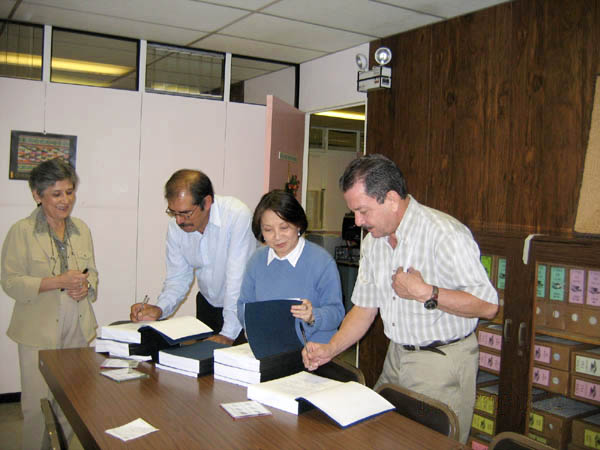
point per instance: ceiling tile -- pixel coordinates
(5, 7)
(251, 5)
(258, 49)
(107, 25)
(266, 29)
(445, 8)
(187, 14)
(361, 16)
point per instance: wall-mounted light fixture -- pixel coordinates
(378, 77)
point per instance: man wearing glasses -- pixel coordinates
(210, 238)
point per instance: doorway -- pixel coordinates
(335, 137)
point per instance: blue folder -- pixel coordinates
(270, 327)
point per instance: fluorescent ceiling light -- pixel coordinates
(342, 115)
(71, 65)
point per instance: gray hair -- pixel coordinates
(49, 172)
(379, 175)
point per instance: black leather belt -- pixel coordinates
(434, 346)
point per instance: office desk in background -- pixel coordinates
(188, 415)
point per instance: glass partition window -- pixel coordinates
(184, 71)
(21, 48)
(94, 60)
(253, 79)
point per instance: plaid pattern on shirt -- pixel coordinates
(444, 251)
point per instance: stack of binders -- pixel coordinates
(238, 365)
(148, 338)
(123, 340)
(192, 360)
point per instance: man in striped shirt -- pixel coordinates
(420, 269)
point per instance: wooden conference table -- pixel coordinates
(188, 415)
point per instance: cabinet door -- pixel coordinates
(517, 319)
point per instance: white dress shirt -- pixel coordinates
(217, 258)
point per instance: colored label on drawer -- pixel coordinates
(576, 285)
(485, 403)
(541, 281)
(491, 340)
(593, 289)
(486, 261)
(591, 439)
(478, 446)
(587, 390)
(542, 354)
(488, 361)
(536, 422)
(557, 283)
(541, 376)
(501, 273)
(535, 437)
(483, 424)
(588, 366)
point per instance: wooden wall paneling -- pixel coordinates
(496, 123)
(400, 115)
(521, 169)
(443, 116)
(381, 114)
(470, 152)
(562, 154)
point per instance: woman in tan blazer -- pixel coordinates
(48, 268)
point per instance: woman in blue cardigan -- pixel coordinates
(289, 266)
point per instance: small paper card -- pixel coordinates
(576, 285)
(486, 261)
(593, 288)
(116, 363)
(557, 283)
(132, 430)
(250, 408)
(541, 281)
(501, 282)
(123, 374)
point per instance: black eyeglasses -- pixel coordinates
(184, 214)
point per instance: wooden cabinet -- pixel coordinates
(566, 346)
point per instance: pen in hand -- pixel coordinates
(304, 336)
(146, 299)
(84, 271)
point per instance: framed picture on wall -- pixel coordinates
(28, 149)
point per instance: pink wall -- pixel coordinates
(284, 134)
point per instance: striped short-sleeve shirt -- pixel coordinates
(444, 251)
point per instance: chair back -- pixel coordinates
(420, 408)
(508, 440)
(57, 439)
(338, 369)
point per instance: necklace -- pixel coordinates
(61, 251)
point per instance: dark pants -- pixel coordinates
(212, 316)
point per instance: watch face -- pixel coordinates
(431, 304)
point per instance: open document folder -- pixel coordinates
(174, 330)
(345, 403)
(271, 328)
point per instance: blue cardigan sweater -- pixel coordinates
(315, 278)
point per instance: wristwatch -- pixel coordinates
(432, 303)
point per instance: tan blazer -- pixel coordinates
(26, 259)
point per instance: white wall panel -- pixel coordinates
(245, 153)
(177, 133)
